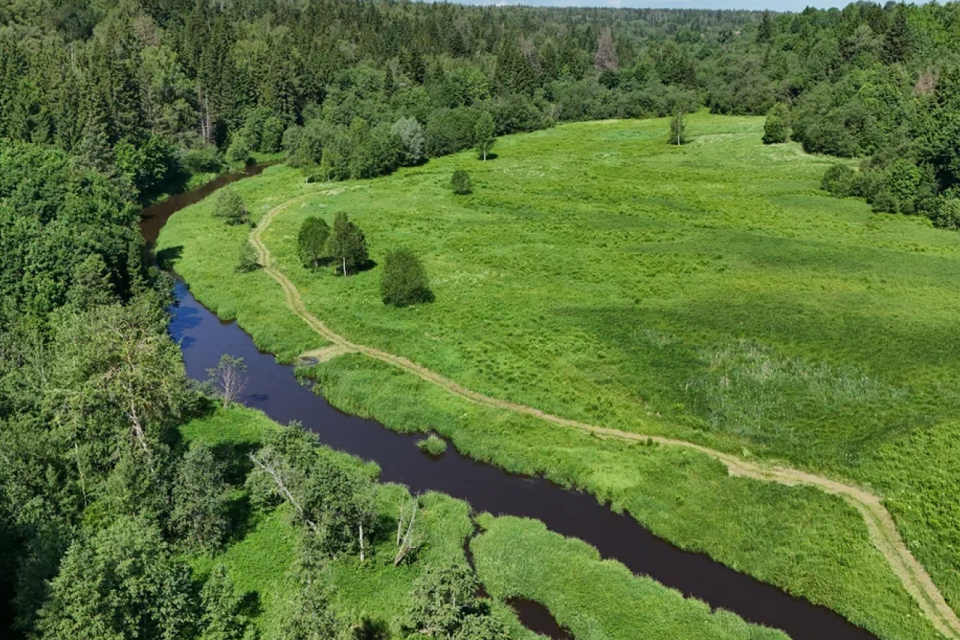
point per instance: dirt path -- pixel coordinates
(883, 532)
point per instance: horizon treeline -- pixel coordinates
(151, 91)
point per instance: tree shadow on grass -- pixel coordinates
(167, 257)
(370, 629)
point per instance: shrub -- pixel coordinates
(947, 215)
(775, 129)
(404, 280)
(230, 207)
(433, 445)
(239, 151)
(312, 241)
(203, 159)
(271, 137)
(248, 258)
(460, 182)
(840, 180)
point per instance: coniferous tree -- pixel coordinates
(898, 40)
(767, 29)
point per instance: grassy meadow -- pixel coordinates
(709, 292)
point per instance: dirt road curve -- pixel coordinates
(883, 531)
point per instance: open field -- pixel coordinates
(259, 560)
(708, 293)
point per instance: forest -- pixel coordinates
(108, 106)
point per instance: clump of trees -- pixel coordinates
(332, 502)
(445, 605)
(460, 183)
(404, 281)
(230, 207)
(347, 245)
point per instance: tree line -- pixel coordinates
(147, 91)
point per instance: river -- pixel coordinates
(274, 389)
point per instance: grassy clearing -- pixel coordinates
(594, 598)
(708, 292)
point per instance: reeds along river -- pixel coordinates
(274, 389)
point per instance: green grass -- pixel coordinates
(259, 562)
(809, 543)
(709, 292)
(433, 445)
(596, 599)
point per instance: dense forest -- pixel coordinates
(107, 105)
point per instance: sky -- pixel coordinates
(776, 5)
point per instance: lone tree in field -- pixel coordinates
(483, 133)
(230, 207)
(312, 241)
(776, 130)
(404, 280)
(460, 182)
(678, 129)
(347, 244)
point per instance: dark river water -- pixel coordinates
(274, 389)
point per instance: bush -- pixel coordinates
(775, 129)
(239, 151)
(271, 138)
(840, 180)
(248, 258)
(203, 159)
(460, 182)
(433, 445)
(947, 215)
(404, 280)
(312, 241)
(230, 207)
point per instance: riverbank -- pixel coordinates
(378, 593)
